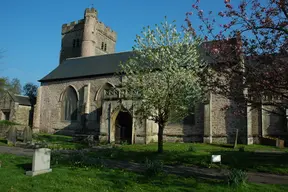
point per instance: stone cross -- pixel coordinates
(41, 162)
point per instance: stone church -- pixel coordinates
(82, 95)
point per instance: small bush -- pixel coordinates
(242, 149)
(5, 122)
(153, 167)
(237, 177)
(192, 149)
(124, 143)
(77, 159)
(56, 158)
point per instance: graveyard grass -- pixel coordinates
(2, 142)
(58, 141)
(53, 141)
(66, 178)
(189, 154)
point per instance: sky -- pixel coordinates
(30, 32)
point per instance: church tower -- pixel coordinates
(86, 37)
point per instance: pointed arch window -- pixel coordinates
(69, 104)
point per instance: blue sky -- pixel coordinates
(31, 29)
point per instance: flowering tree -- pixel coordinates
(161, 77)
(249, 43)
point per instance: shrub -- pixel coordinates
(124, 143)
(56, 158)
(192, 148)
(237, 177)
(242, 149)
(5, 122)
(77, 159)
(153, 167)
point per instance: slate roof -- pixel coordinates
(21, 99)
(87, 66)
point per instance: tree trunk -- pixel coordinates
(160, 137)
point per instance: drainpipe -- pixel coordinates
(109, 121)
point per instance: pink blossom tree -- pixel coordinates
(247, 44)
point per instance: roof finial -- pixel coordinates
(92, 4)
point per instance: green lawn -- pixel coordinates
(3, 142)
(58, 141)
(200, 154)
(185, 154)
(53, 141)
(70, 179)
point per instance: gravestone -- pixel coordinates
(216, 159)
(27, 135)
(236, 139)
(12, 135)
(41, 162)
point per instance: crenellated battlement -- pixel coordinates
(75, 25)
(87, 37)
(91, 12)
(107, 31)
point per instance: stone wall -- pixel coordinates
(273, 123)
(68, 36)
(219, 116)
(87, 29)
(48, 114)
(49, 105)
(225, 120)
(103, 35)
(5, 128)
(191, 129)
(23, 114)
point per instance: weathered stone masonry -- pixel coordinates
(87, 65)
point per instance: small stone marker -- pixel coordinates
(41, 162)
(12, 136)
(27, 135)
(216, 159)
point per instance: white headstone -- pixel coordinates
(216, 159)
(41, 162)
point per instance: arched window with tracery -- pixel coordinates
(69, 104)
(99, 98)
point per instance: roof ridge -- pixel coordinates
(72, 58)
(21, 95)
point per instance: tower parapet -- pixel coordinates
(86, 37)
(91, 12)
(72, 26)
(107, 31)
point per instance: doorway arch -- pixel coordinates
(123, 127)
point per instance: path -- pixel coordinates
(16, 151)
(205, 173)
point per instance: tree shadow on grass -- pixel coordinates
(3, 142)
(123, 181)
(255, 161)
(167, 157)
(229, 146)
(53, 138)
(25, 166)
